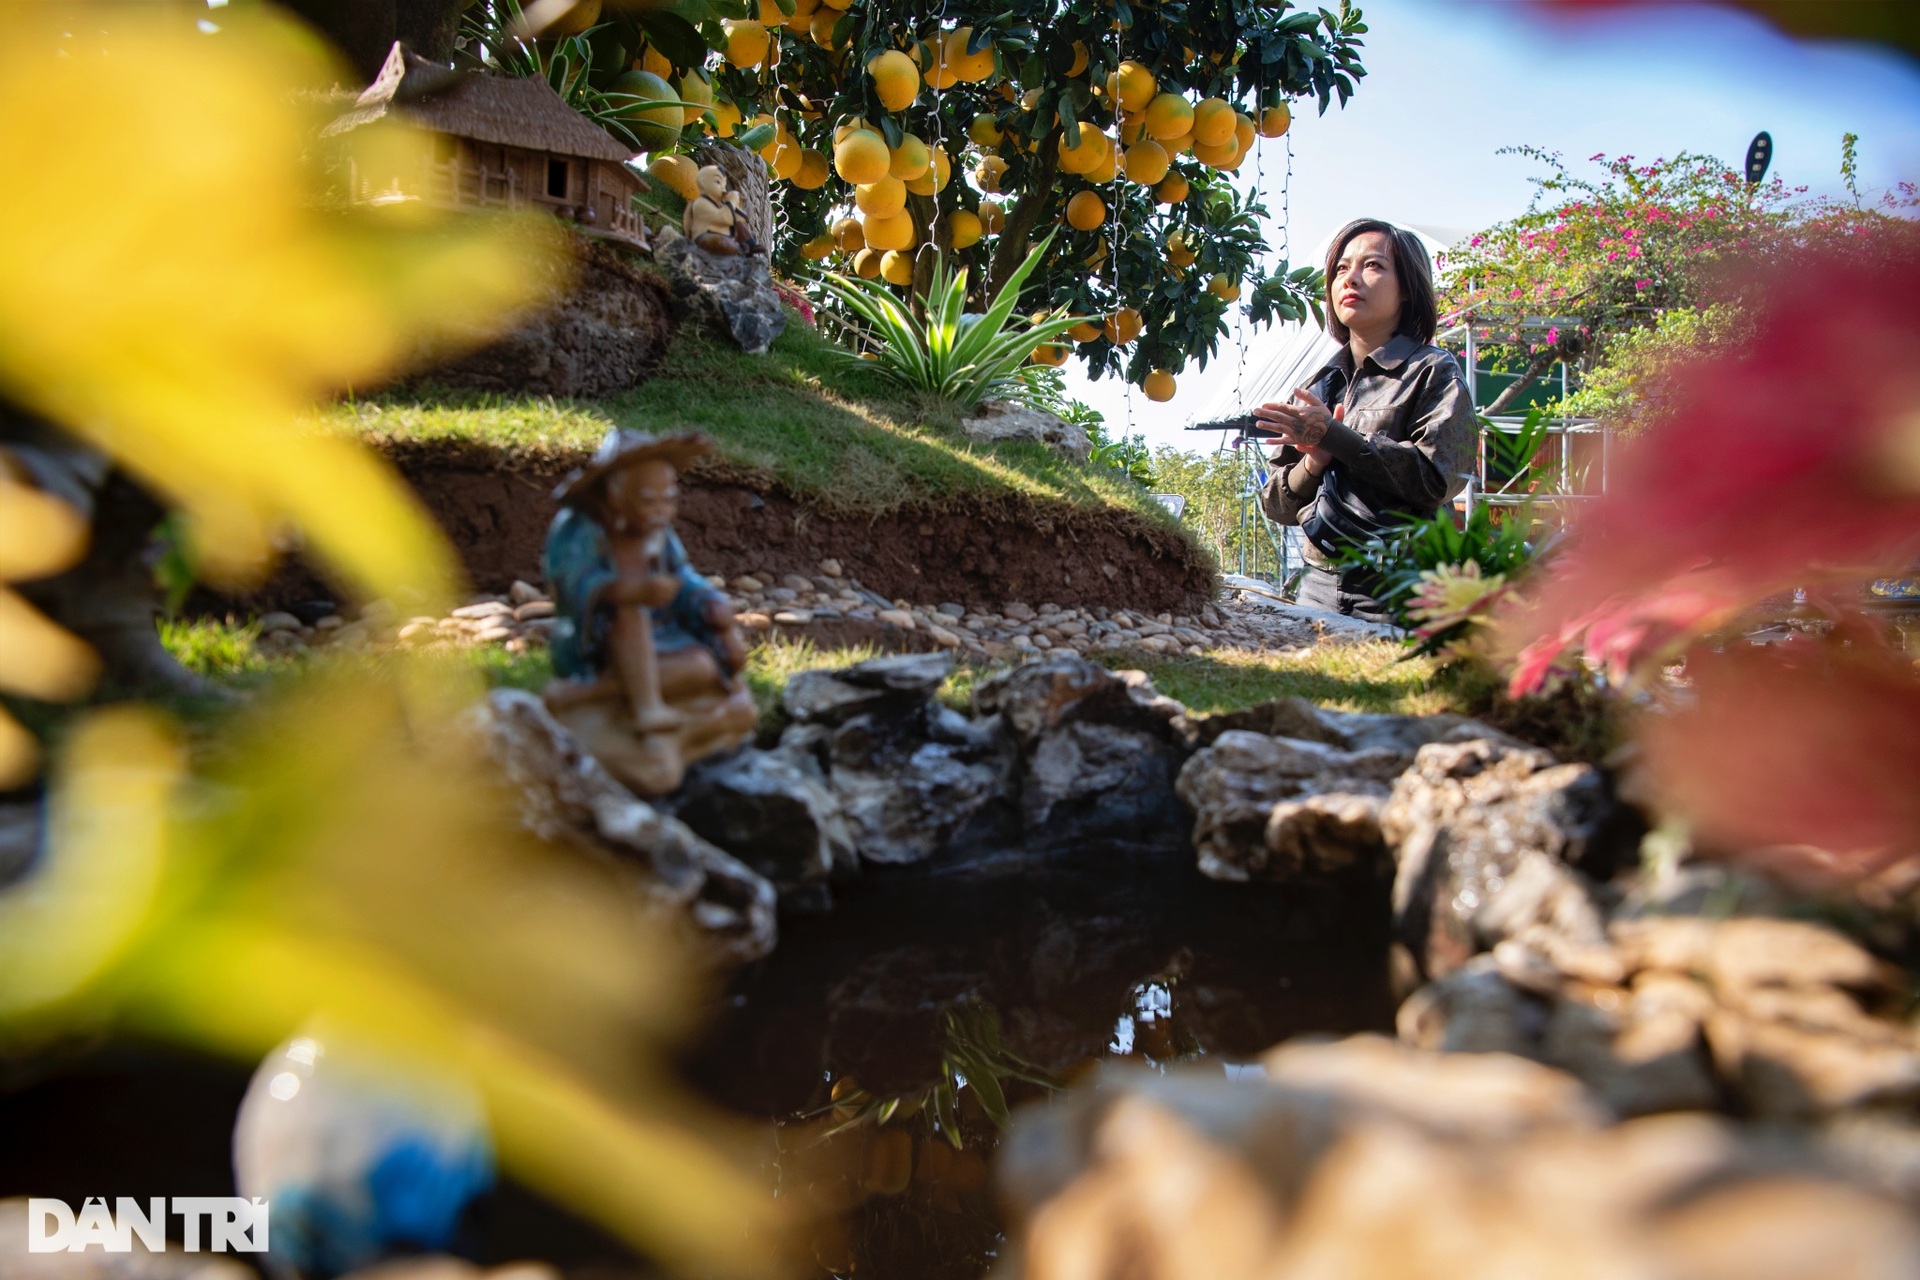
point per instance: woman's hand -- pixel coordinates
(1303, 427)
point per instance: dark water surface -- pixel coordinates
(917, 984)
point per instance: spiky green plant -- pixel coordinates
(964, 358)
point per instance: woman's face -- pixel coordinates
(1365, 289)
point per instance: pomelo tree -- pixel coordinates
(899, 132)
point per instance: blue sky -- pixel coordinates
(1450, 82)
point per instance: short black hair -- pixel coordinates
(1419, 314)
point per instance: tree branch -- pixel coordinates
(1025, 215)
(1565, 349)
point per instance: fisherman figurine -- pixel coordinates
(645, 653)
(714, 219)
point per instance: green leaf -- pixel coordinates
(757, 137)
(675, 35)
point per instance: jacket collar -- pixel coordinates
(1391, 356)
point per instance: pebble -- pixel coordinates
(785, 595)
(794, 617)
(797, 583)
(1020, 612)
(524, 592)
(899, 618)
(493, 631)
(329, 623)
(279, 621)
(951, 610)
(831, 568)
(755, 621)
(943, 637)
(486, 609)
(1024, 642)
(747, 582)
(533, 609)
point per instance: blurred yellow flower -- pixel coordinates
(176, 292)
(39, 535)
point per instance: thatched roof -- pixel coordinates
(504, 110)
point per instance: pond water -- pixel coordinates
(932, 998)
(929, 999)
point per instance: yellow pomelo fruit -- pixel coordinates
(971, 67)
(747, 43)
(1176, 146)
(881, 199)
(788, 155)
(1103, 172)
(1213, 122)
(693, 87)
(1051, 354)
(575, 21)
(837, 4)
(1085, 331)
(648, 58)
(655, 128)
(1080, 59)
(1221, 287)
(818, 247)
(989, 172)
(964, 228)
(895, 232)
(1244, 131)
(937, 176)
(993, 217)
(1168, 116)
(1086, 211)
(910, 159)
(1099, 254)
(1147, 163)
(1275, 121)
(866, 264)
(1158, 385)
(726, 119)
(1178, 251)
(896, 267)
(849, 236)
(1172, 189)
(820, 27)
(1221, 157)
(813, 172)
(680, 174)
(985, 130)
(1132, 131)
(1122, 327)
(803, 11)
(1132, 85)
(1090, 151)
(861, 157)
(896, 81)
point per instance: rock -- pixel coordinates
(567, 797)
(522, 592)
(908, 783)
(747, 582)
(1485, 840)
(484, 609)
(794, 617)
(898, 617)
(771, 809)
(831, 568)
(1361, 1158)
(279, 621)
(533, 609)
(998, 420)
(951, 610)
(602, 327)
(1234, 786)
(943, 637)
(732, 295)
(1787, 1070)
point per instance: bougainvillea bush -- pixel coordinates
(1632, 271)
(1789, 464)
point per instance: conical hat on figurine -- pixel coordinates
(621, 448)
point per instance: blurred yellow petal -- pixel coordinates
(39, 534)
(183, 314)
(78, 912)
(38, 659)
(19, 753)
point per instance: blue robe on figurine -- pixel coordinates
(580, 569)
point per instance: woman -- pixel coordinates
(1385, 431)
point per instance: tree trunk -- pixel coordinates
(1542, 361)
(428, 26)
(1024, 215)
(363, 30)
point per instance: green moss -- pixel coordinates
(845, 440)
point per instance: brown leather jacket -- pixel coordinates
(1404, 447)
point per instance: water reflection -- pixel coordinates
(887, 1041)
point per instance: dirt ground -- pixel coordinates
(495, 508)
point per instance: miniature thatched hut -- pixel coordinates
(500, 142)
